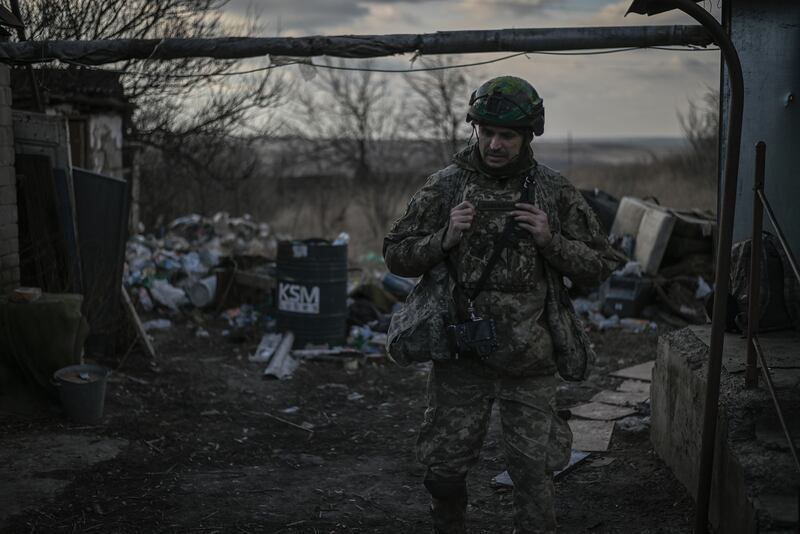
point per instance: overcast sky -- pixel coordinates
(626, 94)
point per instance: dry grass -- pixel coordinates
(682, 190)
(300, 217)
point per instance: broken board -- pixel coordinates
(504, 479)
(601, 412)
(591, 436)
(621, 398)
(634, 386)
(643, 371)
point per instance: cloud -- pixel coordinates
(304, 16)
(613, 14)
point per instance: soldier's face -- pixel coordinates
(498, 145)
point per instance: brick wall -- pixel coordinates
(9, 235)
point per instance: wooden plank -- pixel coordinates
(137, 324)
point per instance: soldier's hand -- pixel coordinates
(534, 220)
(460, 221)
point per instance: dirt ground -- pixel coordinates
(199, 442)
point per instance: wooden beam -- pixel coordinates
(356, 46)
(141, 333)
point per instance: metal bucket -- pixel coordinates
(82, 389)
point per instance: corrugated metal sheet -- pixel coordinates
(101, 208)
(767, 35)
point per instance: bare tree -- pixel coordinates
(700, 125)
(177, 97)
(441, 102)
(355, 127)
(187, 109)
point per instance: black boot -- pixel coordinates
(448, 504)
(449, 515)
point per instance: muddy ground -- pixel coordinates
(199, 442)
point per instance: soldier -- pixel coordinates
(459, 218)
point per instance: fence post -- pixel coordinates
(754, 292)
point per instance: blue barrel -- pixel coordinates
(311, 292)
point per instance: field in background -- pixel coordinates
(645, 168)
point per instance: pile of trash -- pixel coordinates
(670, 263)
(665, 279)
(177, 269)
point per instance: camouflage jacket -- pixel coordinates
(516, 291)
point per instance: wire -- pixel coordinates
(309, 63)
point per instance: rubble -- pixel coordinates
(177, 269)
(197, 261)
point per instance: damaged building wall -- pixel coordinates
(95, 138)
(767, 37)
(9, 234)
(105, 144)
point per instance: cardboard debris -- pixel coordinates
(141, 333)
(591, 436)
(282, 365)
(601, 412)
(629, 216)
(651, 226)
(621, 398)
(634, 385)
(504, 479)
(266, 348)
(643, 371)
(651, 241)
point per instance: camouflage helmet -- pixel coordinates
(507, 101)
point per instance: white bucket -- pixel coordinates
(202, 292)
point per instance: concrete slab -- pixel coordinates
(621, 398)
(643, 372)
(591, 436)
(780, 349)
(754, 483)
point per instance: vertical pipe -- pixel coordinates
(727, 207)
(754, 293)
(723, 257)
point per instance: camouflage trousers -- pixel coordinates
(536, 441)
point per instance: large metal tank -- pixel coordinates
(311, 297)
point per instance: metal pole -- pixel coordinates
(356, 46)
(754, 293)
(780, 235)
(723, 259)
(725, 237)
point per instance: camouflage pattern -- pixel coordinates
(536, 441)
(507, 101)
(522, 282)
(416, 332)
(525, 297)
